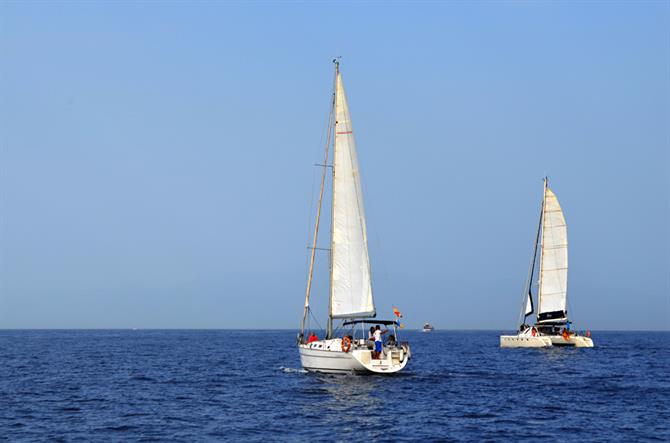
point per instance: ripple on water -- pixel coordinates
(216, 385)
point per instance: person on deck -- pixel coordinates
(378, 341)
(312, 337)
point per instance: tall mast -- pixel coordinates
(329, 329)
(318, 213)
(539, 292)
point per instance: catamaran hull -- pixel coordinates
(326, 356)
(577, 341)
(543, 341)
(524, 341)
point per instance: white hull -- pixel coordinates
(577, 341)
(524, 341)
(327, 356)
(527, 340)
(428, 327)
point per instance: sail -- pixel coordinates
(554, 262)
(351, 287)
(529, 305)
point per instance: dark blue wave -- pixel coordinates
(248, 386)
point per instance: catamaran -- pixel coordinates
(350, 348)
(552, 326)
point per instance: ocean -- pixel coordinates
(215, 385)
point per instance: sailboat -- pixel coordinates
(552, 326)
(349, 348)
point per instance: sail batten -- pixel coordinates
(554, 262)
(351, 286)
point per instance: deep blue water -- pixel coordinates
(248, 386)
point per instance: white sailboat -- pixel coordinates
(552, 326)
(351, 298)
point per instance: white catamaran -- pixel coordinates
(552, 327)
(351, 301)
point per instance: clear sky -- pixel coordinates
(157, 158)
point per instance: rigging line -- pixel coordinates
(529, 280)
(380, 259)
(316, 320)
(309, 218)
(324, 132)
(337, 329)
(331, 119)
(380, 263)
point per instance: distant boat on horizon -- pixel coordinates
(427, 327)
(552, 325)
(350, 278)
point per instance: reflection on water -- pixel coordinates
(349, 402)
(345, 395)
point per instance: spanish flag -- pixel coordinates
(396, 312)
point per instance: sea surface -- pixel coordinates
(150, 385)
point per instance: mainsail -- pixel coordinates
(351, 287)
(553, 262)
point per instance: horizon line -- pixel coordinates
(296, 329)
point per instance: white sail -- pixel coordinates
(351, 288)
(554, 261)
(529, 305)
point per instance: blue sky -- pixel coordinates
(157, 158)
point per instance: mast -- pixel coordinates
(318, 215)
(329, 327)
(539, 283)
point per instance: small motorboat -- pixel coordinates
(427, 327)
